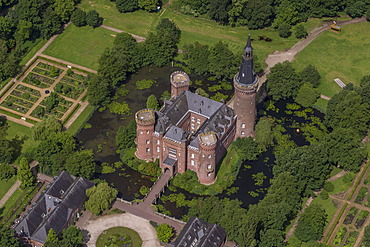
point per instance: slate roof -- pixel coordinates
(54, 208)
(218, 116)
(198, 233)
(246, 76)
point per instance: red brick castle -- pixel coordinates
(192, 132)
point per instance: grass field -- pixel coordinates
(343, 56)
(81, 45)
(193, 29)
(5, 185)
(135, 238)
(10, 204)
(32, 52)
(21, 131)
(81, 120)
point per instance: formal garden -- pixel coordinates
(119, 237)
(46, 88)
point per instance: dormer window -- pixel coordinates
(43, 215)
(61, 192)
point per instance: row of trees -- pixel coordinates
(124, 6)
(127, 56)
(264, 13)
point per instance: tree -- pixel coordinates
(300, 32)
(148, 5)
(158, 49)
(72, 237)
(286, 15)
(6, 171)
(356, 10)
(64, 8)
(51, 238)
(222, 62)
(283, 81)
(347, 110)
(284, 30)
(51, 23)
(81, 163)
(126, 135)
(124, 6)
(247, 148)
(236, 17)
(272, 238)
(167, 26)
(78, 17)
(25, 174)
(98, 91)
(368, 14)
(164, 233)
(345, 149)
(93, 19)
(264, 134)
(8, 239)
(311, 74)
(259, 13)
(364, 89)
(366, 240)
(307, 95)
(24, 30)
(218, 10)
(311, 224)
(100, 197)
(196, 56)
(45, 128)
(152, 102)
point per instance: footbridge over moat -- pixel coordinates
(146, 210)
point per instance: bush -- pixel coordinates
(79, 19)
(164, 233)
(368, 14)
(348, 178)
(93, 19)
(328, 186)
(6, 171)
(324, 195)
(300, 32)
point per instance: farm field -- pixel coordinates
(338, 56)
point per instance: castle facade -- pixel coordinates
(192, 132)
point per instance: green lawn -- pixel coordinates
(135, 238)
(10, 204)
(81, 45)
(21, 131)
(40, 43)
(343, 56)
(193, 29)
(5, 185)
(81, 120)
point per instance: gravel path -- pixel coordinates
(140, 225)
(10, 193)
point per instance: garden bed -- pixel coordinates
(67, 90)
(350, 216)
(352, 237)
(29, 90)
(24, 95)
(361, 219)
(340, 235)
(361, 195)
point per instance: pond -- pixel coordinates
(104, 125)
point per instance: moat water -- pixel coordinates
(101, 138)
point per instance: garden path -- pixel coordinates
(136, 37)
(10, 192)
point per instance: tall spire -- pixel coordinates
(246, 75)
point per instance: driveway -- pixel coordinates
(146, 231)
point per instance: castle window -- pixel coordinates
(141, 132)
(172, 152)
(148, 150)
(208, 174)
(192, 162)
(198, 121)
(192, 156)
(192, 126)
(147, 131)
(242, 133)
(209, 166)
(203, 156)
(192, 119)
(157, 149)
(243, 125)
(158, 142)
(209, 156)
(147, 141)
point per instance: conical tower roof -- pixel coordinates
(247, 76)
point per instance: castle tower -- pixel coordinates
(207, 158)
(245, 88)
(179, 82)
(145, 120)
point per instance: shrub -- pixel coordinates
(164, 233)
(300, 32)
(284, 30)
(328, 186)
(324, 195)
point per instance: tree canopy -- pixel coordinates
(100, 197)
(311, 224)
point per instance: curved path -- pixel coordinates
(281, 56)
(146, 231)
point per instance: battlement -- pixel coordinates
(145, 117)
(208, 139)
(179, 78)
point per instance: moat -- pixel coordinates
(104, 125)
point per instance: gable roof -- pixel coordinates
(198, 233)
(54, 208)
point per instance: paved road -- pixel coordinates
(141, 226)
(10, 192)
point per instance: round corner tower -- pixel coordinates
(179, 82)
(245, 89)
(207, 160)
(145, 121)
